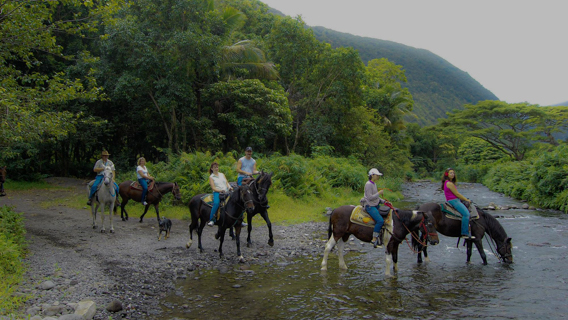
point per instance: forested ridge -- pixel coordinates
(187, 82)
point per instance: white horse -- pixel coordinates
(105, 196)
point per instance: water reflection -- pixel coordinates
(534, 287)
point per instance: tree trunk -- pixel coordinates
(168, 130)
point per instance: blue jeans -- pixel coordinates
(215, 206)
(456, 203)
(374, 213)
(98, 180)
(144, 184)
(240, 181)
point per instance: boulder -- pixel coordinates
(71, 317)
(86, 309)
(525, 206)
(47, 285)
(114, 306)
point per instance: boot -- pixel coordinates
(90, 202)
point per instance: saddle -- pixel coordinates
(136, 185)
(361, 217)
(452, 213)
(207, 199)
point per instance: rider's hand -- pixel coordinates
(380, 192)
(387, 203)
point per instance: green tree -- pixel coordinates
(509, 128)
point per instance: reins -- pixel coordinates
(422, 224)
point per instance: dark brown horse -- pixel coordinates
(152, 198)
(2, 180)
(479, 227)
(231, 216)
(259, 188)
(404, 221)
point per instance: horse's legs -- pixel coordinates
(94, 208)
(249, 229)
(264, 215)
(340, 246)
(469, 250)
(221, 234)
(238, 240)
(123, 213)
(110, 210)
(157, 211)
(145, 210)
(103, 230)
(329, 245)
(479, 247)
(395, 256)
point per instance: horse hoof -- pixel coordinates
(249, 244)
(94, 227)
(242, 259)
(217, 236)
(103, 231)
(188, 245)
(112, 231)
(123, 219)
(271, 243)
(140, 221)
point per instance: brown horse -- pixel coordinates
(485, 224)
(152, 198)
(231, 215)
(2, 180)
(404, 221)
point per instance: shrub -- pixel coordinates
(12, 250)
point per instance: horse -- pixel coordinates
(153, 197)
(2, 180)
(404, 221)
(485, 224)
(231, 216)
(105, 196)
(259, 189)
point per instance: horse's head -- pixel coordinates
(176, 192)
(505, 250)
(262, 184)
(107, 174)
(246, 197)
(3, 174)
(428, 230)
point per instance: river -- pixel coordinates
(534, 287)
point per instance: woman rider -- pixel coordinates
(372, 201)
(453, 197)
(143, 178)
(219, 184)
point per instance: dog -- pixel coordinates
(165, 226)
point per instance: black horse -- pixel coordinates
(485, 224)
(231, 216)
(259, 188)
(404, 221)
(2, 180)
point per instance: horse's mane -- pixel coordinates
(494, 228)
(404, 216)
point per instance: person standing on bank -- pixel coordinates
(372, 200)
(246, 166)
(143, 178)
(99, 168)
(219, 184)
(453, 197)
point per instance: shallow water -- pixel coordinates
(534, 287)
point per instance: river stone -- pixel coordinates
(114, 306)
(86, 309)
(47, 285)
(33, 311)
(525, 206)
(71, 317)
(53, 310)
(49, 318)
(35, 318)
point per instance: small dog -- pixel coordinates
(165, 226)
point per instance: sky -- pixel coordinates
(515, 49)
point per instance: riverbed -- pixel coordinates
(534, 287)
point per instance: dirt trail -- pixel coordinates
(130, 265)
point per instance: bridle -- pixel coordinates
(422, 226)
(260, 190)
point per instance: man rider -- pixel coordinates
(99, 168)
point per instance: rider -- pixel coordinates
(219, 184)
(372, 201)
(449, 181)
(246, 166)
(99, 168)
(143, 178)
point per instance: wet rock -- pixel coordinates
(532, 208)
(53, 310)
(33, 311)
(70, 317)
(114, 306)
(47, 285)
(525, 206)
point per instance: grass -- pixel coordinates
(11, 185)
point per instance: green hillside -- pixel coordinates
(436, 85)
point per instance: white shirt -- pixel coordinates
(220, 181)
(143, 169)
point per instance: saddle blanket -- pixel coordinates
(452, 213)
(361, 217)
(136, 185)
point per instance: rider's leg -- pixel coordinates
(456, 203)
(214, 208)
(379, 221)
(94, 187)
(144, 185)
(240, 181)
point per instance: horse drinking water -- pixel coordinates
(105, 196)
(485, 224)
(403, 222)
(128, 192)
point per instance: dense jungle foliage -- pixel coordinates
(12, 250)
(184, 82)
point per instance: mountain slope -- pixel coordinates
(436, 85)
